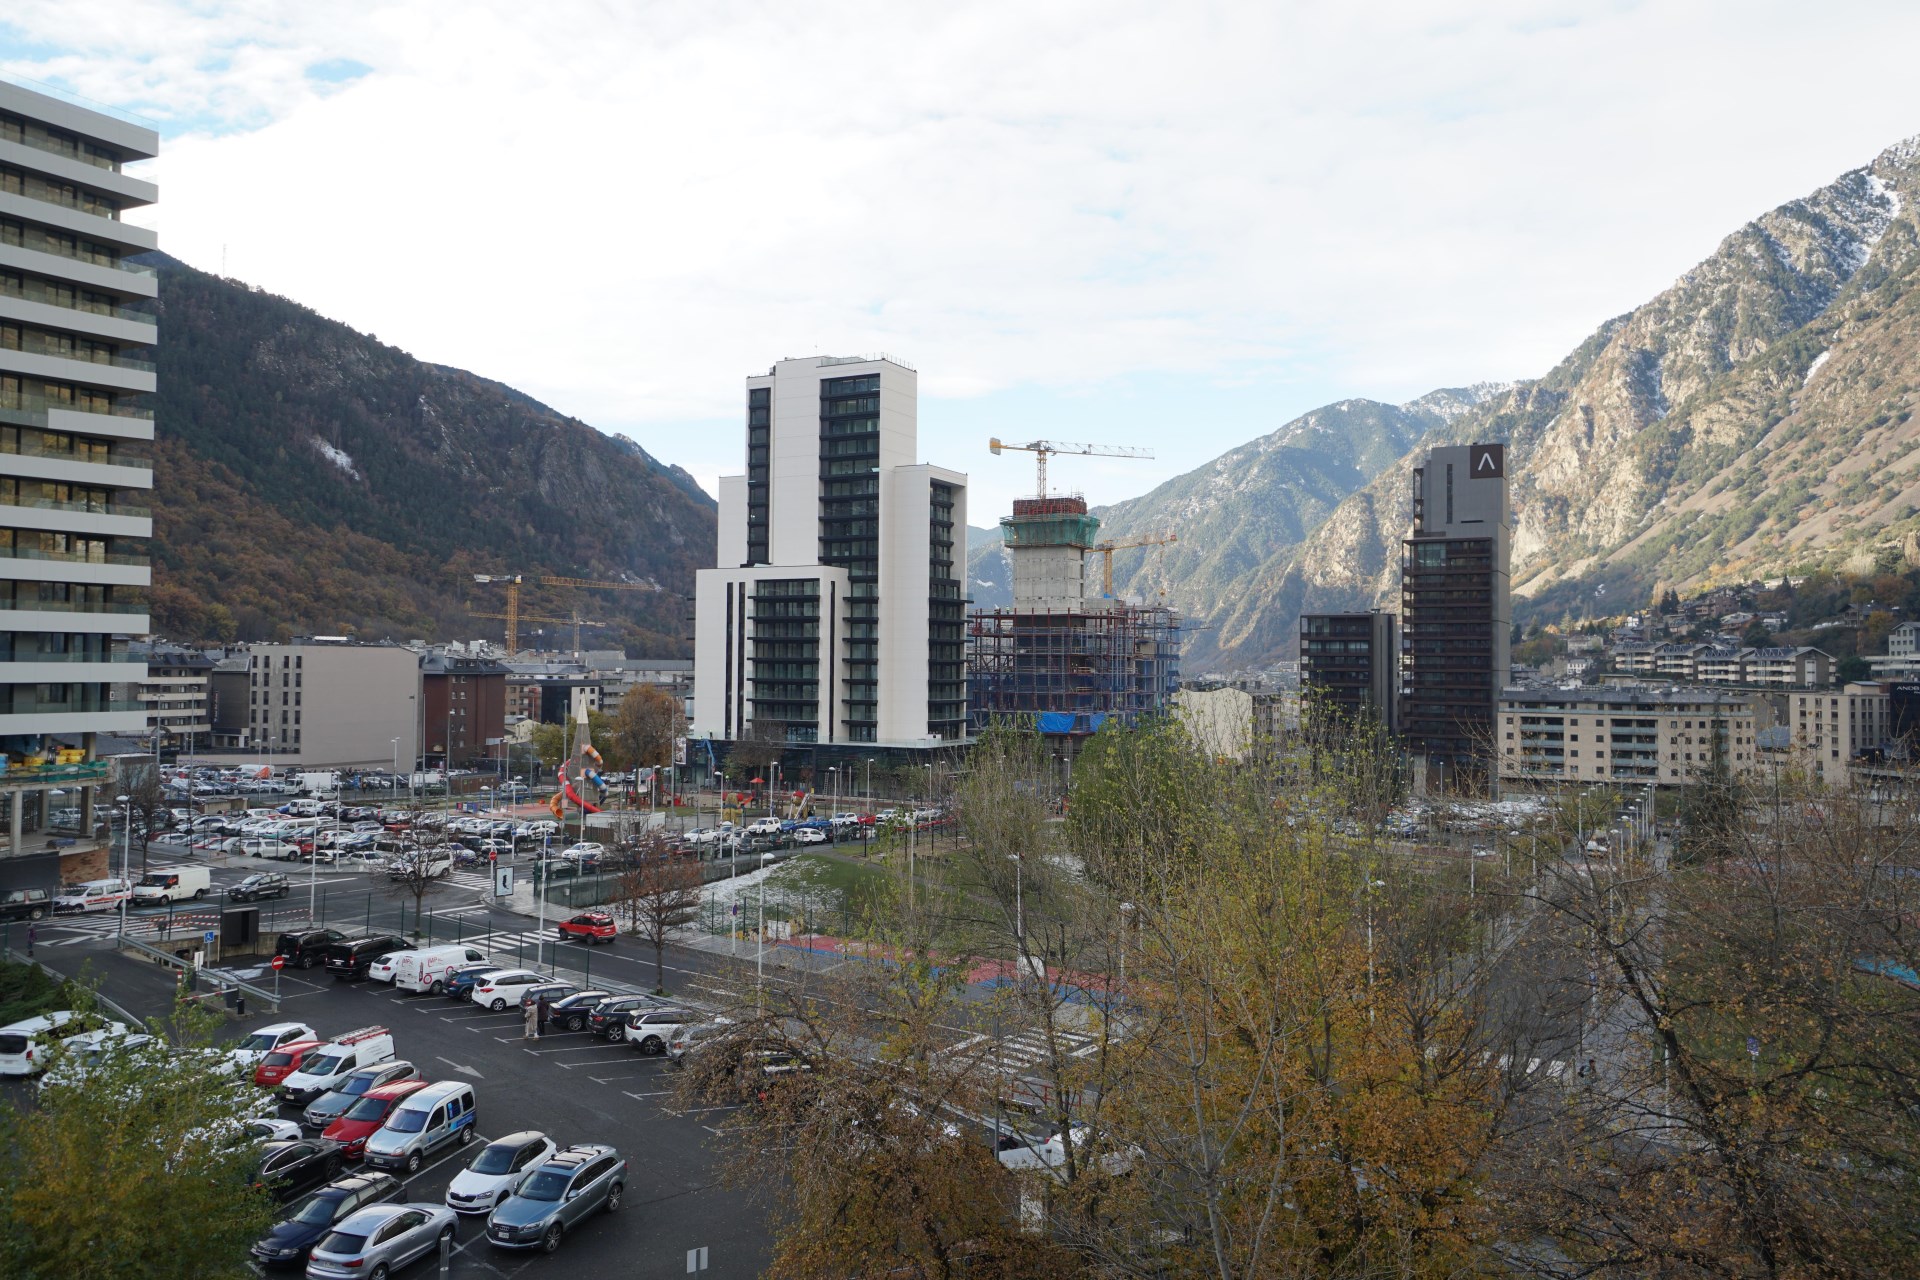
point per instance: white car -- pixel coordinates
(269, 1129)
(482, 1185)
(1113, 1160)
(583, 849)
(810, 835)
(78, 1055)
(26, 1047)
(764, 827)
(498, 990)
(382, 969)
(250, 1051)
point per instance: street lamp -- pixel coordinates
(1019, 910)
(760, 951)
(1372, 884)
(394, 789)
(869, 784)
(125, 807)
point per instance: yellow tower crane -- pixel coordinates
(512, 582)
(1106, 550)
(1041, 449)
(576, 622)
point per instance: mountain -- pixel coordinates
(1753, 418)
(1251, 503)
(311, 479)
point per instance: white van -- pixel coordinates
(304, 808)
(426, 969)
(172, 884)
(323, 1069)
(93, 895)
(27, 1046)
(425, 1121)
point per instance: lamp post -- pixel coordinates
(1372, 884)
(1126, 925)
(869, 784)
(125, 807)
(396, 766)
(760, 949)
(1019, 911)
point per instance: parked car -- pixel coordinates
(288, 1170)
(308, 948)
(608, 1019)
(25, 904)
(271, 1129)
(426, 1121)
(593, 927)
(366, 1116)
(459, 981)
(551, 991)
(27, 1046)
(261, 884)
(690, 1039)
(648, 1030)
(293, 1238)
(273, 1069)
(809, 835)
(376, 1241)
(260, 1043)
(569, 1012)
(348, 961)
(330, 1106)
(328, 1067)
(171, 884)
(557, 1196)
(482, 1185)
(504, 987)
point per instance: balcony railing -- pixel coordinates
(70, 300)
(87, 508)
(34, 345)
(73, 606)
(113, 262)
(76, 557)
(113, 456)
(86, 772)
(27, 655)
(75, 706)
(65, 149)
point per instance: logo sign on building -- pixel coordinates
(1487, 461)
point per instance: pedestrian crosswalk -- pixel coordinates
(1023, 1050)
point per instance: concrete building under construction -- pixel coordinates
(1064, 654)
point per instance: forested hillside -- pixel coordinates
(311, 479)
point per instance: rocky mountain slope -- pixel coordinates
(1251, 502)
(1754, 417)
(310, 479)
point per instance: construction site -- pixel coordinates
(1067, 655)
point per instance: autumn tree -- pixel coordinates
(658, 893)
(146, 806)
(643, 727)
(756, 752)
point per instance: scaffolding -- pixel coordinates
(1070, 670)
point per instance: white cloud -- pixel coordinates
(623, 209)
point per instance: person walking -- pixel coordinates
(531, 1023)
(33, 933)
(542, 1006)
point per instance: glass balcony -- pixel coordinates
(73, 606)
(70, 300)
(68, 148)
(89, 508)
(75, 557)
(91, 451)
(35, 344)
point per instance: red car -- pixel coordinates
(369, 1113)
(594, 926)
(283, 1062)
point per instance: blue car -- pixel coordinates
(460, 981)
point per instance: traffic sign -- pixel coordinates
(279, 962)
(502, 881)
(207, 937)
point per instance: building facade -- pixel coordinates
(1626, 735)
(77, 333)
(1831, 729)
(1350, 666)
(325, 703)
(1455, 611)
(465, 701)
(178, 696)
(837, 612)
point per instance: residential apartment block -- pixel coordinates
(77, 333)
(327, 703)
(1350, 666)
(1665, 736)
(837, 613)
(1830, 729)
(178, 695)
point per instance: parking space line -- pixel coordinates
(597, 1062)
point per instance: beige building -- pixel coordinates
(326, 703)
(1219, 721)
(1829, 728)
(1666, 736)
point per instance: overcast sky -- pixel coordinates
(1162, 225)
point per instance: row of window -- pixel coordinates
(31, 133)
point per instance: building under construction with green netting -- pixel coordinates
(1061, 656)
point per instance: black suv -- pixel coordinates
(305, 950)
(263, 884)
(608, 1019)
(289, 1243)
(349, 961)
(295, 1165)
(25, 904)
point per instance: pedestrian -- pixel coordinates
(531, 1024)
(33, 932)
(543, 1010)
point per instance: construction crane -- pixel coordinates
(1106, 550)
(512, 581)
(514, 621)
(597, 585)
(1040, 449)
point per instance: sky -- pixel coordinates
(1170, 227)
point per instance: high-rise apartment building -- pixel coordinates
(837, 610)
(1455, 612)
(77, 334)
